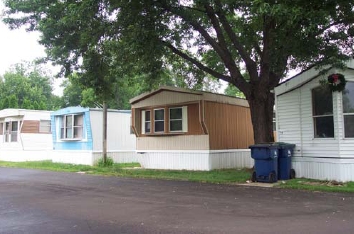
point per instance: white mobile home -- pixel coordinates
(77, 135)
(25, 135)
(320, 121)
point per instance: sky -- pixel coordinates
(18, 45)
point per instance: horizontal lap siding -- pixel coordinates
(167, 98)
(316, 147)
(30, 126)
(288, 118)
(37, 141)
(177, 142)
(295, 123)
(229, 126)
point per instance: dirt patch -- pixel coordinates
(332, 183)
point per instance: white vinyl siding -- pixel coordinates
(118, 135)
(295, 122)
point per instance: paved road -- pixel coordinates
(34, 201)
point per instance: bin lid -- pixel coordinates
(284, 145)
(279, 145)
(264, 145)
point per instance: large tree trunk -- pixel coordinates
(261, 106)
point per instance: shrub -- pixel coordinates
(109, 162)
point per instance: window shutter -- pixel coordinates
(184, 119)
(142, 122)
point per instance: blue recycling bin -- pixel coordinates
(265, 162)
(285, 172)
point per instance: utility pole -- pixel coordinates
(104, 142)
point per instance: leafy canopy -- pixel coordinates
(222, 38)
(27, 86)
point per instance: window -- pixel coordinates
(177, 120)
(322, 112)
(11, 131)
(44, 126)
(348, 109)
(176, 123)
(159, 120)
(148, 121)
(71, 127)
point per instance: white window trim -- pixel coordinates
(319, 116)
(143, 122)
(345, 114)
(63, 127)
(170, 120)
(184, 119)
(164, 119)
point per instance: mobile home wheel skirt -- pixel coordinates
(201, 160)
(324, 168)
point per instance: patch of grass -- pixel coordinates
(317, 185)
(100, 163)
(226, 176)
(133, 170)
(47, 165)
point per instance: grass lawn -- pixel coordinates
(317, 185)
(226, 176)
(134, 170)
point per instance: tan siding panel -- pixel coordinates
(229, 126)
(30, 126)
(167, 98)
(194, 125)
(137, 117)
(181, 142)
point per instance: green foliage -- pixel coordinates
(231, 90)
(250, 44)
(109, 162)
(317, 185)
(27, 86)
(134, 170)
(215, 176)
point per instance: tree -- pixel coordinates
(231, 90)
(27, 86)
(221, 38)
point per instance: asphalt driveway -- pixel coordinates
(33, 201)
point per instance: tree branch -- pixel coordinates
(224, 55)
(250, 64)
(197, 63)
